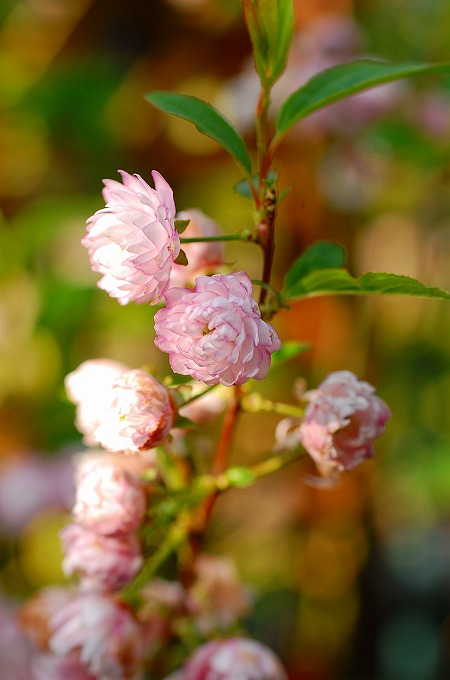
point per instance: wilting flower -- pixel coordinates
(133, 242)
(109, 500)
(217, 599)
(139, 416)
(89, 387)
(233, 658)
(215, 332)
(202, 257)
(101, 562)
(103, 632)
(342, 419)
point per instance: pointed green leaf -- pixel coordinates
(320, 255)
(341, 282)
(181, 259)
(181, 225)
(342, 81)
(206, 119)
(270, 24)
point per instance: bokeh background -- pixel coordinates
(351, 581)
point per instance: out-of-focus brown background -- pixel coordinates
(352, 581)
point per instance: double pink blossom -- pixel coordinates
(119, 408)
(233, 658)
(342, 418)
(102, 632)
(217, 599)
(215, 333)
(102, 562)
(109, 500)
(133, 242)
(89, 387)
(139, 416)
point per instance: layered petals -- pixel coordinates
(215, 332)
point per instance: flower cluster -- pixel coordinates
(214, 332)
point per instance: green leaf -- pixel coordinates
(341, 282)
(288, 351)
(320, 255)
(270, 24)
(342, 81)
(181, 225)
(181, 259)
(207, 119)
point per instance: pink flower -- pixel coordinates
(215, 332)
(51, 667)
(35, 615)
(203, 257)
(89, 387)
(109, 500)
(342, 418)
(103, 632)
(139, 416)
(102, 562)
(217, 599)
(133, 242)
(135, 465)
(233, 658)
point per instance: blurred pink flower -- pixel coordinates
(133, 242)
(89, 387)
(203, 257)
(15, 648)
(35, 615)
(217, 599)
(215, 332)
(101, 562)
(103, 632)
(233, 658)
(51, 667)
(135, 465)
(342, 418)
(139, 416)
(109, 500)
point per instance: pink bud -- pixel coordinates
(217, 598)
(109, 500)
(215, 332)
(133, 242)
(342, 419)
(102, 562)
